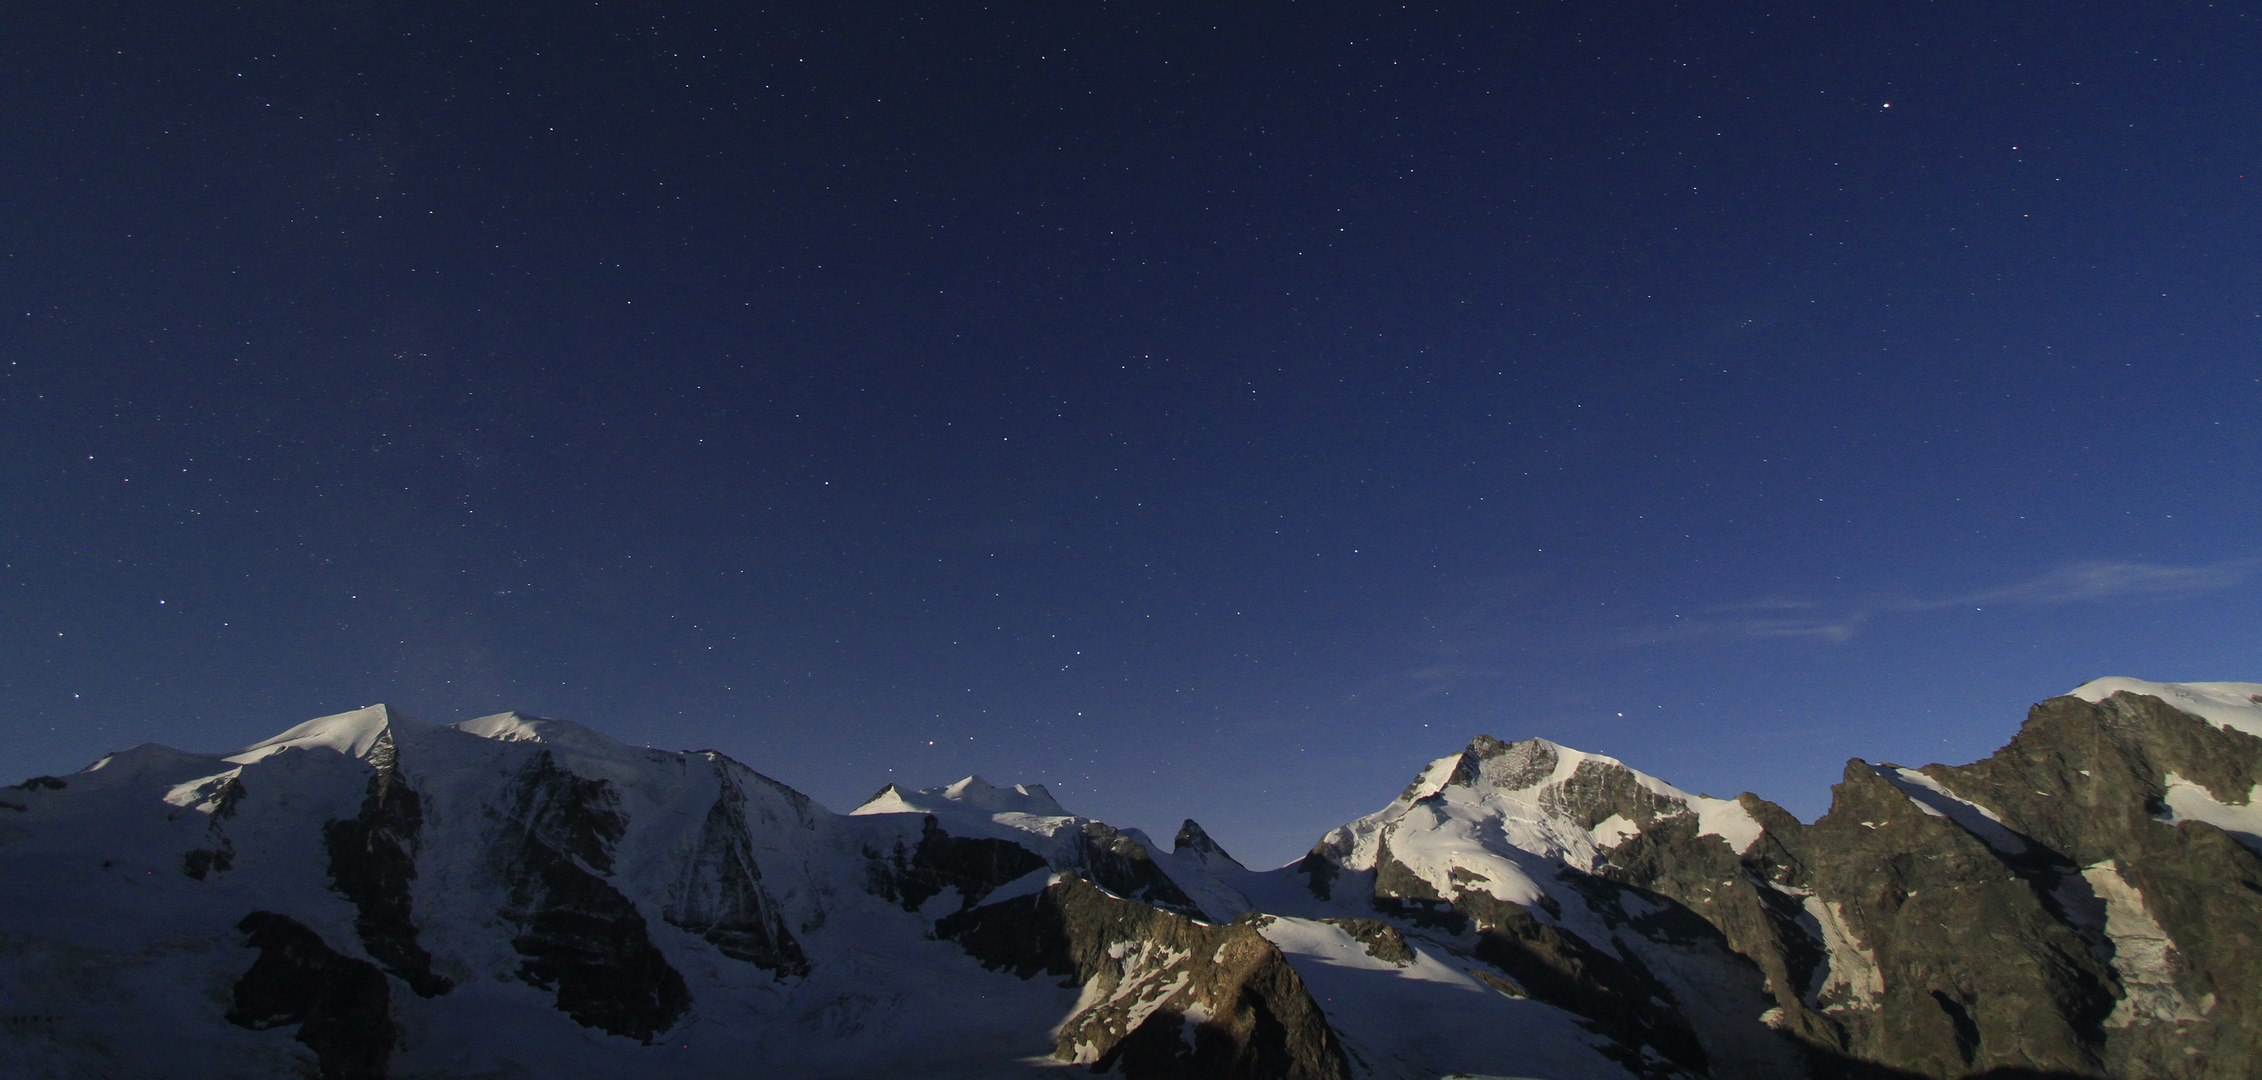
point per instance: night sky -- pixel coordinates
(1211, 409)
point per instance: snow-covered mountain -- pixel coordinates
(368, 896)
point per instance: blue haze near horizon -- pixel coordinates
(1211, 413)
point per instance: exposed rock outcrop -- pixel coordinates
(1124, 866)
(2039, 910)
(1192, 840)
(578, 935)
(341, 1005)
(1164, 996)
(973, 865)
(373, 864)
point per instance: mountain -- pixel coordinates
(368, 896)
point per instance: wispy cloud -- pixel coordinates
(2109, 580)
(1838, 629)
(2071, 584)
(1740, 621)
(1488, 649)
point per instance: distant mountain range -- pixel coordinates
(367, 896)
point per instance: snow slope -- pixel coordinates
(1422, 1014)
(107, 937)
(2235, 705)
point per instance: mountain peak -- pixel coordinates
(359, 733)
(1484, 746)
(971, 793)
(970, 789)
(516, 726)
(1193, 840)
(1483, 810)
(1487, 760)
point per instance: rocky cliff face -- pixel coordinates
(1162, 994)
(365, 896)
(2047, 908)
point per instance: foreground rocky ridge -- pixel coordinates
(367, 896)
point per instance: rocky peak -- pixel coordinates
(1458, 770)
(1516, 766)
(1489, 765)
(1192, 840)
(1485, 746)
(1116, 861)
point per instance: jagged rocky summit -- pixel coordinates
(367, 896)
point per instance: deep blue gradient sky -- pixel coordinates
(1204, 410)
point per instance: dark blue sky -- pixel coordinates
(1210, 410)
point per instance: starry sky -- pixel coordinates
(1203, 409)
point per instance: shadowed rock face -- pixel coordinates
(341, 1005)
(1619, 996)
(1123, 866)
(1192, 838)
(578, 936)
(2084, 786)
(720, 895)
(202, 863)
(372, 863)
(1701, 881)
(1966, 968)
(1319, 871)
(975, 866)
(1158, 977)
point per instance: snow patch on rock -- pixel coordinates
(2236, 705)
(1934, 798)
(1728, 820)
(2143, 954)
(1850, 978)
(2191, 802)
(1327, 943)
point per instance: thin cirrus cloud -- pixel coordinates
(2071, 584)
(2106, 581)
